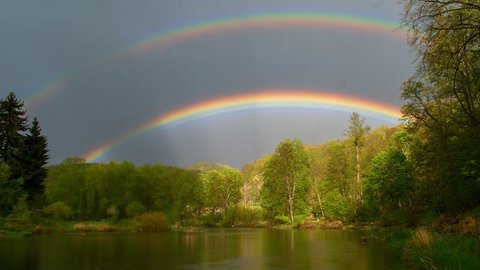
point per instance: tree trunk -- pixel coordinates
(290, 208)
(291, 197)
(359, 185)
(318, 196)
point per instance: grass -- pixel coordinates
(428, 250)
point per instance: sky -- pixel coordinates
(95, 73)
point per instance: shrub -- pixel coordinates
(113, 212)
(21, 210)
(58, 210)
(248, 216)
(151, 222)
(282, 220)
(228, 218)
(94, 227)
(134, 209)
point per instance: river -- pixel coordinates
(248, 249)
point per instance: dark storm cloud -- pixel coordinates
(43, 41)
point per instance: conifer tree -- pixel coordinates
(13, 125)
(34, 159)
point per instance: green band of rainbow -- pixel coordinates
(266, 99)
(214, 27)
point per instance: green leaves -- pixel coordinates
(221, 188)
(287, 180)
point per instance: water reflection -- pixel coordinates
(200, 249)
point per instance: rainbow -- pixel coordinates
(261, 100)
(218, 26)
(269, 20)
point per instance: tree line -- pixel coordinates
(339, 180)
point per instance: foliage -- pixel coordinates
(221, 188)
(13, 124)
(135, 208)
(336, 206)
(252, 174)
(116, 190)
(287, 180)
(151, 222)
(389, 183)
(10, 189)
(248, 216)
(58, 210)
(24, 150)
(442, 103)
(35, 157)
(21, 210)
(357, 129)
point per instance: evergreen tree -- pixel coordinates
(35, 158)
(13, 125)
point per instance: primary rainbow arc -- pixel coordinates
(266, 99)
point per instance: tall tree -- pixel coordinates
(287, 179)
(35, 158)
(357, 129)
(13, 125)
(443, 101)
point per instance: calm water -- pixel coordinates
(201, 249)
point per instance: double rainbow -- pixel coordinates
(262, 100)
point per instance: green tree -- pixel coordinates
(13, 125)
(35, 158)
(221, 188)
(446, 37)
(357, 129)
(67, 182)
(442, 102)
(287, 180)
(188, 200)
(318, 173)
(390, 182)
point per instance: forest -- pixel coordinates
(422, 174)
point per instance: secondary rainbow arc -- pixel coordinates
(268, 20)
(218, 26)
(266, 99)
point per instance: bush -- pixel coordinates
(282, 220)
(151, 222)
(21, 210)
(228, 218)
(58, 210)
(248, 216)
(134, 209)
(113, 212)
